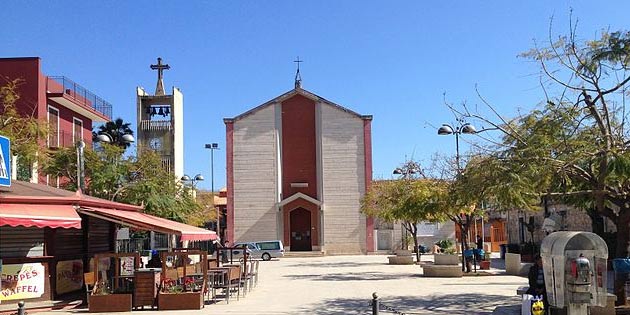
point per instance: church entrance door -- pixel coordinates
(300, 222)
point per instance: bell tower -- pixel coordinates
(160, 123)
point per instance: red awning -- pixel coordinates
(39, 215)
(148, 222)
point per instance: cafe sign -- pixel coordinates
(23, 281)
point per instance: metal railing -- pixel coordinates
(79, 94)
(63, 139)
(156, 125)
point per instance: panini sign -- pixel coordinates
(5, 162)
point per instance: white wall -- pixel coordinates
(343, 172)
(255, 176)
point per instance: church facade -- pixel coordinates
(297, 168)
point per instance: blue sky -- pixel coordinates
(391, 59)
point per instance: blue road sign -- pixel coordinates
(5, 162)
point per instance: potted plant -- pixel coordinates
(113, 292)
(104, 299)
(185, 289)
(446, 255)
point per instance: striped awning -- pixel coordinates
(39, 215)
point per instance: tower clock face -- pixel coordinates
(155, 143)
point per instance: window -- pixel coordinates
(428, 229)
(77, 130)
(53, 125)
(268, 245)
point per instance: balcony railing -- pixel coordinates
(79, 94)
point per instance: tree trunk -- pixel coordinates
(414, 233)
(623, 242)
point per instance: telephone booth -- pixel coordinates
(574, 265)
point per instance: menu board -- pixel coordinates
(22, 281)
(69, 276)
(126, 266)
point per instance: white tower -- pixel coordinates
(161, 123)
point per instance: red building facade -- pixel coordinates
(69, 109)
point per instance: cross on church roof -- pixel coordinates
(298, 77)
(159, 89)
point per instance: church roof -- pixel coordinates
(291, 93)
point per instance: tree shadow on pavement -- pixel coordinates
(354, 276)
(436, 304)
(338, 264)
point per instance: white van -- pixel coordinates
(264, 250)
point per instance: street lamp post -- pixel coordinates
(214, 146)
(101, 137)
(193, 180)
(464, 128)
(410, 168)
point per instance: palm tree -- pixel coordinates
(115, 129)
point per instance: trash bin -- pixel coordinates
(503, 248)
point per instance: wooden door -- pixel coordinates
(300, 223)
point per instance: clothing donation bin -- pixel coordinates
(574, 265)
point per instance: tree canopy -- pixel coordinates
(116, 130)
(575, 146)
(139, 181)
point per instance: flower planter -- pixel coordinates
(180, 301)
(446, 259)
(109, 303)
(400, 260)
(485, 264)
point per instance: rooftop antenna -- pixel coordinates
(298, 77)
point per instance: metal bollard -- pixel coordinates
(374, 304)
(21, 310)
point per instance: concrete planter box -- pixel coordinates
(445, 259)
(514, 266)
(400, 260)
(403, 252)
(442, 271)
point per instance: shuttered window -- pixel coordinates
(21, 242)
(99, 239)
(68, 242)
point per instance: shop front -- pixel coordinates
(49, 236)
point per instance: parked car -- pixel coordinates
(264, 250)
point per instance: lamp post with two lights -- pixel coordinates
(80, 146)
(462, 128)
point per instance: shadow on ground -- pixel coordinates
(337, 264)
(443, 304)
(354, 276)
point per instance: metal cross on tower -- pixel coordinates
(160, 67)
(298, 77)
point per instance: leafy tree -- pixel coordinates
(206, 212)
(576, 146)
(25, 131)
(139, 181)
(115, 129)
(410, 200)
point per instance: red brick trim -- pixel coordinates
(229, 152)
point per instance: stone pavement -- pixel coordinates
(344, 285)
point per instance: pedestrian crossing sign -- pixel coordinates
(5, 163)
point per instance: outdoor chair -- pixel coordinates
(250, 275)
(89, 280)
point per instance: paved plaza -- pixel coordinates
(344, 285)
